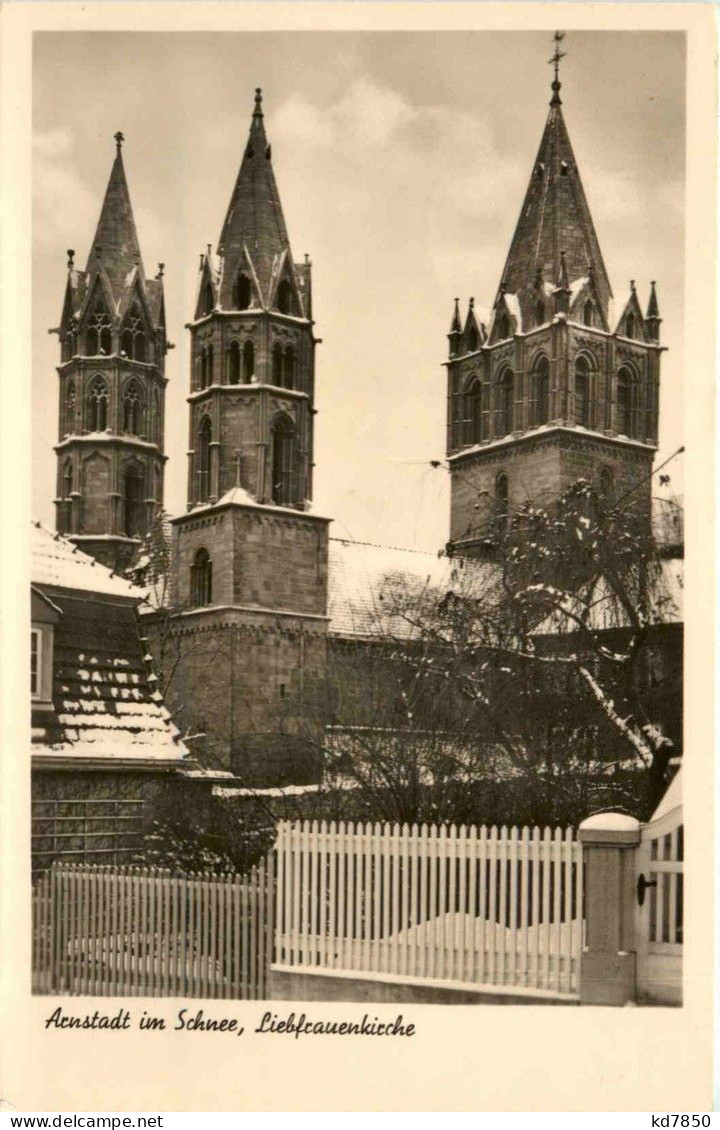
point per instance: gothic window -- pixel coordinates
(67, 480)
(69, 415)
(589, 313)
(539, 312)
(503, 327)
(207, 300)
(157, 417)
(203, 368)
(582, 392)
(248, 361)
(289, 368)
(66, 489)
(501, 503)
(472, 340)
(203, 459)
(98, 335)
(132, 335)
(623, 407)
(277, 365)
(133, 501)
(540, 391)
(96, 415)
(473, 416)
(133, 409)
(454, 412)
(284, 459)
(504, 395)
(242, 293)
(606, 484)
(234, 363)
(201, 579)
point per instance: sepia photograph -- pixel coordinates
(357, 540)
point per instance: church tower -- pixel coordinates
(251, 553)
(555, 388)
(112, 388)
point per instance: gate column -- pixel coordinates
(607, 963)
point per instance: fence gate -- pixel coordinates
(659, 909)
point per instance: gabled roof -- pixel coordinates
(555, 217)
(254, 223)
(57, 563)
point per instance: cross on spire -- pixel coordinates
(554, 60)
(119, 138)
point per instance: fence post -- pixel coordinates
(607, 964)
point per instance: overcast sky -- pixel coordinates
(401, 161)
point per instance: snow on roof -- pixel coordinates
(513, 304)
(241, 497)
(360, 571)
(577, 286)
(57, 562)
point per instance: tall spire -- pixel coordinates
(555, 217)
(116, 235)
(254, 225)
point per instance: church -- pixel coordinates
(260, 600)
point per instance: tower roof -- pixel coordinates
(555, 218)
(116, 244)
(254, 226)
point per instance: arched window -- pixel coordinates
(66, 489)
(606, 484)
(98, 335)
(540, 391)
(630, 325)
(133, 422)
(504, 397)
(69, 413)
(589, 313)
(623, 407)
(502, 503)
(503, 327)
(203, 368)
(472, 340)
(473, 414)
(96, 419)
(582, 392)
(201, 579)
(284, 459)
(277, 365)
(132, 335)
(539, 312)
(285, 303)
(203, 459)
(248, 361)
(234, 363)
(67, 480)
(133, 501)
(242, 293)
(207, 301)
(289, 368)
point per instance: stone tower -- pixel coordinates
(251, 555)
(112, 388)
(554, 389)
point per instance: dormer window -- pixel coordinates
(207, 300)
(98, 336)
(472, 340)
(44, 616)
(589, 314)
(630, 325)
(35, 662)
(285, 303)
(242, 294)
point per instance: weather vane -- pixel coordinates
(557, 53)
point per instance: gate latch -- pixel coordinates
(642, 886)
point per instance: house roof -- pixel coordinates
(56, 562)
(104, 692)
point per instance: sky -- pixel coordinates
(401, 161)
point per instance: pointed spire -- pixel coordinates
(116, 242)
(254, 226)
(456, 324)
(554, 216)
(652, 318)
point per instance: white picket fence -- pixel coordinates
(482, 905)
